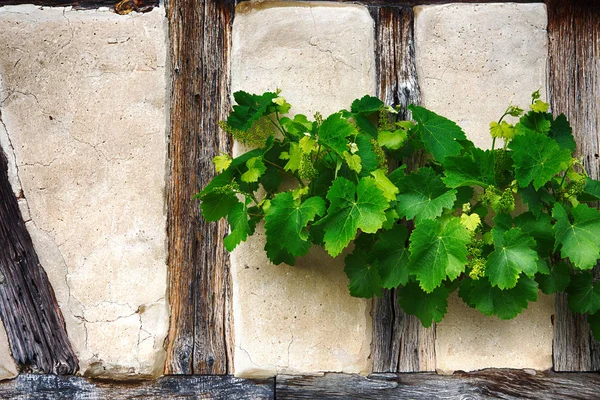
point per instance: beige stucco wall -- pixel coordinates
(300, 319)
(82, 97)
(472, 61)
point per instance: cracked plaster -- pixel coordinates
(300, 319)
(494, 54)
(82, 97)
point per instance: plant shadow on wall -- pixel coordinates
(496, 225)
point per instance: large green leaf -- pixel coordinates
(584, 294)
(428, 307)
(239, 225)
(439, 134)
(423, 195)
(286, 220)
(392, 253)
(537, 159)
(366, 105)
(580, 239)
(333, 132)
(352, 208)
(561, 131)
(474, 168)
(491, 300)
(217, 204)
(514, 252)
(438, 249)
(363, 274)
(249, 109)
(557, 280)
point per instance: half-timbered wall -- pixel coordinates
(109, 123)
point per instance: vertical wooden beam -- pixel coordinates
(400, 343)
(199, 340)
(574, 89)
(34, 324)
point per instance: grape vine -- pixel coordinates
(497, 225)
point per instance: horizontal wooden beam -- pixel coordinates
(120, 6)
(497, 384)
(168, 387)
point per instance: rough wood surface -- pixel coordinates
(140, 5)
(33, 321)
(574, 89)
(496, 384)
(400, 343)
(44, 387)
(199, 340)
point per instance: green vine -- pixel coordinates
(496, 225)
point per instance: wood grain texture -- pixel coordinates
(400, 343)
(140, 5)
(33, 321)
(44, 387)
(574, 89)
(487, 384)
(199, 340)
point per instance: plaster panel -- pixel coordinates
(300, 319)
(82, 96)
(472, 61)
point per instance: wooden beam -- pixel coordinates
(168, 387)
(121, 6)
(33, 321)
(487, 384)
(400, 343)
(574, 89)
(199, 340)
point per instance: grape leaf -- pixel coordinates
(592, 189)
(514, 252)
(557, 280)
(392, 139)
(537, 158)
(423, 195)
(286, 220)
(439, 134)
(333, 132)
(428, 307)
(539, 228)
(256, 168)
(392, 254)
(249, 109)
(491, 300)
(239, 225)
(533, 122)
(561, 131)
(594, 322)
(352, 208)
(367, 154)
(536, 199)
(384, 184)
(363, 274)
(438, 249)
(584, 294)
(366, 105)
(579, 239)
(222, 162)
(217, 204)
(476, 168)
(296, 127)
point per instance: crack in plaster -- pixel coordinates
(315, 44)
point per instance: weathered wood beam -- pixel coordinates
(400, 343)
(199, 340)
(487, 384)
(120, 6)
(33, 321)
(42, 387)
(574, 89)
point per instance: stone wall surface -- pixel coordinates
(300, 319)
(472, 61)
(82, 102)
